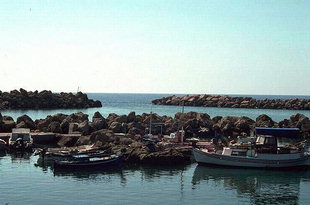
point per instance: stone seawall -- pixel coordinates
(234, 102)
(23, 99)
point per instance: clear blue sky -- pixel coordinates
(158, 46)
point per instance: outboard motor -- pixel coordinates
(19, 144)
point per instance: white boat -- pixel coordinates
(20, 139)
(264, 153)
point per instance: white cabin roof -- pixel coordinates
(20, 131)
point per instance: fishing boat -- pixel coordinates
(265, 152)
(89, 162)
(20, 140)
(67, 153)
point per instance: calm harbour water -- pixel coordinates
(23, 183)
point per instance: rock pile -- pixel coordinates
(23, 99)
(101, 131)
(195, 124)
(234, 102)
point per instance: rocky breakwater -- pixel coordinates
(22, 99)
(234, 102)
(100, 130)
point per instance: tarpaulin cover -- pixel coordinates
(278, 132)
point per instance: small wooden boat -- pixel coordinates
(60, 154)
(89, 162)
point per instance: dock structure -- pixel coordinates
(42, 137)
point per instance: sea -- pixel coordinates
(124, 103)
(23, 182)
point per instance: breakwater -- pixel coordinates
(195, 124)
(102, 131)
(234, 102)
(22, 99)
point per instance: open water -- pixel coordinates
(141, 103)
(21, 182)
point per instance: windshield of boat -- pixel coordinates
(260, 140)
(282, 141)
(25, 137)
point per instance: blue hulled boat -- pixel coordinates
(89, 162)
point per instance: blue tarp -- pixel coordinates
(278, 132)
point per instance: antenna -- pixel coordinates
(150, 130)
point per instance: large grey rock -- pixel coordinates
(131, 117)
(54, 127)
(264, 121)
(116, 127)
(98, 122)
(64, 126)
(82, 128)
(8, 125)
(98, 138)
(77, 117)
(25, 121)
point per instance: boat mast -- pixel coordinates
(182, 116)
(182, 134)
(150, 130)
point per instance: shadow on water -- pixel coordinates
(261, 186)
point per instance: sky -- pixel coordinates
(156, 46)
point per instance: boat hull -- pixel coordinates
(89, 164)
(249, 162)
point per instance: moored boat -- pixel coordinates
(265, 152)
(89, 162)
(20, 140)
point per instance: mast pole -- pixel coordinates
(150, 130)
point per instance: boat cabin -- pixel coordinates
(20, 134)
(267, 140)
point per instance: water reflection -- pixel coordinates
(261, 186)
(147, 173)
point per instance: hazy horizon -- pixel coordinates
(164, 47)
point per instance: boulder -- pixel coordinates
(73, 128)
(167, 157)
(98, 138)
(116, 127)
(64, 126)
(264, 121)
(77, 117)
(42, 125)
(131, 117)
(97, 115)
(121, 119)
(25, 121)
(54, 127)
(68, 141)
(98, 122)
(22, 124)
(8, 125)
